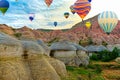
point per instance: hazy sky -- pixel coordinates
(18, 14)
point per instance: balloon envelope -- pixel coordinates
(82, 8)
(4, 5)
(31, 16)
(55, 24)
(48, 2)
(107, 21)
(66, 14)
(89, 0)
(88, 25)
(72, 9)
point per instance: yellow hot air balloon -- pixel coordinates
(88, 25)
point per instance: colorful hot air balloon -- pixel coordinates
(31, 16)
(72, 9)
(4, 5)
(89, 0)
(55, 24)
(88, 25)
(82, 8)
(107, 21)
(48, 2)
(66, 14)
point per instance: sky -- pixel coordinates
(17, 15)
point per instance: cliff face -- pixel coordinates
(25, 60)
(79, 33)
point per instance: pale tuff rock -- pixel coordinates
(95, 48)
(11, 64)
(25, 60)
(58, 66)
(111, 47)
(70, 53)
(9, 46)
(45, 47)
(32, 47)
(63, 45)
(40, 68)
(117, 60)
(63, 51)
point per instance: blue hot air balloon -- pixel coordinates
(89, 0)
(31, 16)
(4, 5)
(55, 24)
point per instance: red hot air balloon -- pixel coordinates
(82, 8)
(48, 2)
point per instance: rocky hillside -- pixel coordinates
(79, 34)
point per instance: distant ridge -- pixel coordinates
(78, 33)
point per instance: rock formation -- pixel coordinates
(25, 60)
(69, 53)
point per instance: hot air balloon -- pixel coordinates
(107, 21)
(66, 14)
(89, 0)
(31, 16)
(55, 23)
(82, 8)
(48, 2)
(72, 9)
(4, 5)
(88, 25)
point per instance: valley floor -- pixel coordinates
(95, 71)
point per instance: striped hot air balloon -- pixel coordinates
(107, 21)
(82, 8)
(48, 2)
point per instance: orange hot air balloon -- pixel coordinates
(82, 8)
(48, 2)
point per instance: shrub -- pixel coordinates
(104, 43)
(70, 68)
(94, 57)
(106, 55)
(83, 42)
(18, 35)
(90, 41)
(98, 68)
